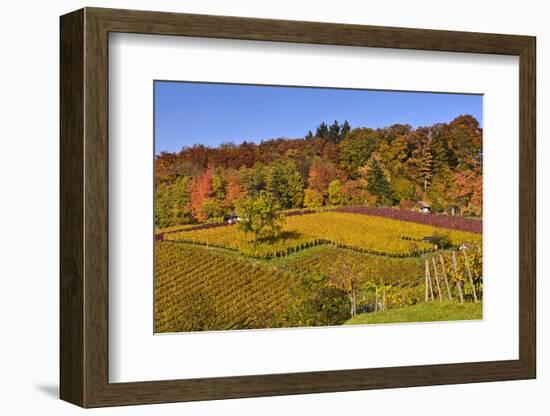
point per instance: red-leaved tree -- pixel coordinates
(201, 190)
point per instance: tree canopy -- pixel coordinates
(260, 216)
(337, 165)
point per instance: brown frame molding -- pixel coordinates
(84, 207)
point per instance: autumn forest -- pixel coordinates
(333, 165)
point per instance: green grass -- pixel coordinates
(422, 312)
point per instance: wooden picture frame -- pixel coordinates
(84, 207)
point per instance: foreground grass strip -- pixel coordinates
(422, 312)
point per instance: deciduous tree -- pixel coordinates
(172, 202)
(312, 198)
(285, 183)
(356, 149)
(201, 190)
(261, 216)
(321, 173)
(335, 192)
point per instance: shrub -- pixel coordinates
(317, 304)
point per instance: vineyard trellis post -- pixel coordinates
(445, 277)
(467, 263)
(353, 303)
(429, 278)
(437, 280)
(458, 284)
(426, 283)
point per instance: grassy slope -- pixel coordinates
(422, 312)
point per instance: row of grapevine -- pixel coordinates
(332, 260)
(308, 244)
(454, 276)
(364, 233)
(367, 277)
(196, 289)
(436, 220)
(159, 235)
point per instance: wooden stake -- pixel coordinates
(469, 274)
(437, 280)
(429, 280)
(458, 284)
(426, 283)
(460, 291)
(445, 277)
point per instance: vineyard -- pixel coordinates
(436, 220)
(198, 290)
(364, 233)
(321, 268)
(366, 267)
(399, 278)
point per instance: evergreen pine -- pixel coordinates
(334, 132)
(377, 184)
(322, 131)
(344, 130)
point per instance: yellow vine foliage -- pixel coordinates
(198, 290)
(365, 233)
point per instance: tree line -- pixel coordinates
(335, 165)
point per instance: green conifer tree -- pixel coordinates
(377, 184)
(322, 131)
(334, 132)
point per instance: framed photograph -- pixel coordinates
(254, 207)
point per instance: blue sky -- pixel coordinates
(211, 114)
